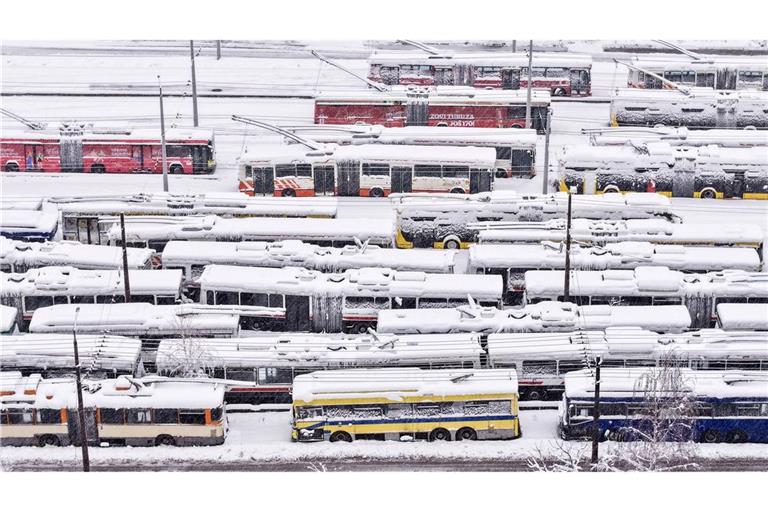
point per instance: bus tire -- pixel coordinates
(98, 169)
(451, 242)
(12, 167)
(708, 193)
(737, 436)
(340, 435)
(376, 192)
(536, 394)
(611, 189)
(176, 169)
(558, 91)
(466, 434)
(711, 436)
(165, 440)
(501, 173)
(48, 440)
(458, 190)
(288, 192)
(440, 434)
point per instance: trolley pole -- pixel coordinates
(530, 86)
(218, 49)
(545, 183)
(596, 412)
(194, 83)
(162, 138)
(125, 260)
(567, 283)
(80, 409)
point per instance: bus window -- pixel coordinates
(229, 298)
(48, 416)
(375, 169)
(20, 416)
(275, 376)
(192, 416)
(138, 416)
(555, 72)
(476, 408)
(749, 79)
(522, 160)
(455, 171)
(426, 171)
(165, 300)
(254, 299)
(705, 80)
(32, 302)
(404, 303)
(112, 416)
(276, 300)
(430, 303)
(304, 170)
(177, 151)
(143, 298)
(82, 299)
(209, 295)
(516, 112)
(240, 374)
(664, 301)
(427, 410)
(503, 153)
(166, 416)
(282, 171)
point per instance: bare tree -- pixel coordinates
(188, 358)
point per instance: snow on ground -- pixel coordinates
(265, 437)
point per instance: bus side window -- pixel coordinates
(209, 295)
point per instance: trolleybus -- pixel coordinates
(738, 316)
(715, 72)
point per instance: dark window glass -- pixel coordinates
(229, 298)
(503, 153)
(276, 300)
(254, 299)
(285, 170)
(139, 416)
(166, 300)
(375, 169)
(82, 299)
(33, 302)
(177, 151)
(60, 299)
(209, 295)
(166, 416)
(113, 416)
(275, 376)
(246, 375)
(20, 416)
(426, 171)
(304, 170)
(49, 416)
(143, 298)
(216, 413)
(192, 416)
(454, 171)
(516, 112)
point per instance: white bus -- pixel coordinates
(707, 172)
(52, 355)
(17, 256)
(367, 170)
(601, 232)
(700, 108)
(270, 363)
(88, 218)
(192, 257)
(682, 136)
(542, 359)
(118, 412)
(513, 261)
(447, 221)
(515, 147)
(30, 224)
(343, 302)
(700, 293)
(156, 232)
(715, 72)
(732, 317)
(46, 286)
(540, 317)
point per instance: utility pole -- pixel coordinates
(514, 45)
(194, 83)
(218, 49)
(125, 260)
(596, 412)
(545, 184)
(80, 409)
(162, 138)
(530, 86)
(567, 284)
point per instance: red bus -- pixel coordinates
(188, 151)
(440, 106)
(564, 74)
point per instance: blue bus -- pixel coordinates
(729, 406)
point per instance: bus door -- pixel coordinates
(297, 313)
(325, 181)
(726, 79)
(263, 181)
(402, 179)
(199, 160)
(579, 81)
(73, 427)
(738, 184)
(88, 230)
(33, 157)
(480, 180)
(137, 154)
(510, 78)
(349, 177)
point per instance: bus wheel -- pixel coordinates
(501, 173)
(289, 192)
(362, 328)
(611, 189)
(466, 434)
(708, 193)
(12, 167)
(340, 435)
(177, 169)
(457, 190)
(559, 91)
(536, 394)
(439, 434)
(48, 440)
(737, 436)
(98, 169)
(711, 436)
(165, 440)
(376, 192)
(451, 242)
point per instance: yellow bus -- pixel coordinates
(405, 404)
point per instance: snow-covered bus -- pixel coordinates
(270, 363)
(124, 411)
(343, 302)
(564, 74)
(17, 256)
(515, 147)
(46, 286)
(513, 261)
(192, 257)
(542, 359)
(740, 316)
(707, 172)
(52, 355)
(715, 72)
(700, 108)
(464, 107)
(682, 136)
(88, 218)
(398, 404)
(448, 221)
(8, 320)
(540, 317)
(726, 406)
(601, 232)
(156, 232)
(367, 170)
(32, 224)
(700, 293)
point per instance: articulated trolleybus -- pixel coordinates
(405, 404)
(123, 411)
(729, 406)
(188, 151)
(368, 170)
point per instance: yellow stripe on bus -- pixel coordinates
(407, 399)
